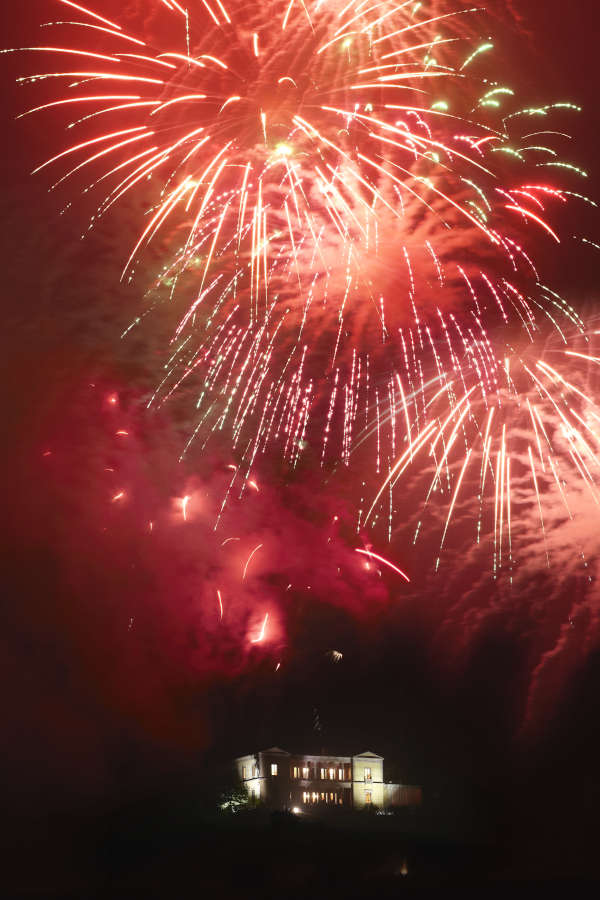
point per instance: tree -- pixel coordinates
(234, 798)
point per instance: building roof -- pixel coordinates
(277, 751)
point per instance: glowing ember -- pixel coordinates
(184, 507)
(261, 635)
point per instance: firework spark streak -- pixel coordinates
(184, 507)
(249, 560)
(385, 562)
(535, 438)
(352, 199)
(261, 634)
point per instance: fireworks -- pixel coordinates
(352, 200)
(249, 560)
(261, 634)
(529, 443)
(385, 562)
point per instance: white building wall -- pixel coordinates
(367, 780)
(247, 766)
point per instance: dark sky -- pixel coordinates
(119, 680)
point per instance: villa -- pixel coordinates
(297, 782)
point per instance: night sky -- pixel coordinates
(121, 683)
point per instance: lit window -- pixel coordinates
(255, 771)
(332, 774)
(323, 773)
(341, 774)
(244, 775)
(367, 797)
(306, 797)
(296, 772)
(315, 797)
(273, 768)
(367, 774)
(305, 772)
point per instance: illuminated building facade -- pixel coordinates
(294, 781)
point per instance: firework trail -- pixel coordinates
(500, 458)
(351, 200)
